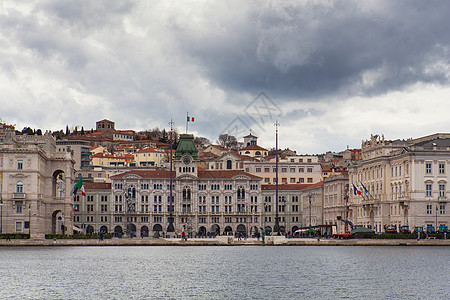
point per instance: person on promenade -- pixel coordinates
(183, 236)
(8, 237)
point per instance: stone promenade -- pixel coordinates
(226, 241)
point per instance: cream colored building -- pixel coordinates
(35, 183)
(335, 202)
(293, 169)
(204, 201)
(150, 157)
(407, 183)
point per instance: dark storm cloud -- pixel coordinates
(314, 50)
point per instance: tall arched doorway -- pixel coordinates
(118, 232)
(131, 230)
(228, 230)
(144, 231)
(89, 229)
(104, 229)
(242, 229)
(215, 229)
(202, 231)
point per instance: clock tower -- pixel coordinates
(186, 156)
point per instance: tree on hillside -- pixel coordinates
(39, 132)
(67, 130)
(202, 141)
(27, 130)
(228, 141)
(82, 130)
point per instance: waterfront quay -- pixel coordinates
(225, 241)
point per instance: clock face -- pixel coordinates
(186, 160)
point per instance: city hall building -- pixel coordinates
(204, 202)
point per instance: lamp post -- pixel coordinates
(310, 197)
(277, 221)
(170, 228)
(29, 220)
(1, 215)
(436, 229)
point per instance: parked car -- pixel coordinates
(418, 229)
(391, 229)
(405, 229)
(443, 228)
(430, 229)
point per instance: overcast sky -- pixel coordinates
(330, 72)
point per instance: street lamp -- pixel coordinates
(29, 220)
(277, 221)
(171, 228)
(310, 198)
(436, 217)
(1, 215)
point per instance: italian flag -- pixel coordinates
(190, 119)
(78, 186)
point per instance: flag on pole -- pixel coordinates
(190, 119)
(78, 186)
(356, 191)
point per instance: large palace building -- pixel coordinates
(203, 201)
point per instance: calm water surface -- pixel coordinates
(225, 272)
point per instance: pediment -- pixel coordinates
(132, 176)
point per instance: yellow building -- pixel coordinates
(254, 151)
(150, 157)
(109, 160)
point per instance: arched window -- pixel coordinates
(257, 153)
(240, 193)
(19, 187)
(186, 193)
(228, 164)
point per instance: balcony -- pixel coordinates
(442, 199)
(19, 196)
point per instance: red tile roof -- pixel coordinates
(226, 174)
(150, 149)
(97, 185)
(253, 147)
(297, 186)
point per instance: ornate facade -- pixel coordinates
(35, 183)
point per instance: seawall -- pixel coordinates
(225, 241)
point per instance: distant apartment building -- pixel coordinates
(293, 169)
(92, 213)
(80, 149)
(290, 208)
(150, 157)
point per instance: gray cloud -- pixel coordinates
(140, 63)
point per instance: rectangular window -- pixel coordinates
(429, 209)
(301, 170)
(283, 170)
(258, 170)
(266, 179)
(292, 170)
(18, 226)
(266, 170)
(442, 190)
(19, 208)
(309, 170)
(310, 180)
(428, 190)
(442, 210)
(441, 168)
(428, 168)
(20, 164)
(301, 180)
(292, 180)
